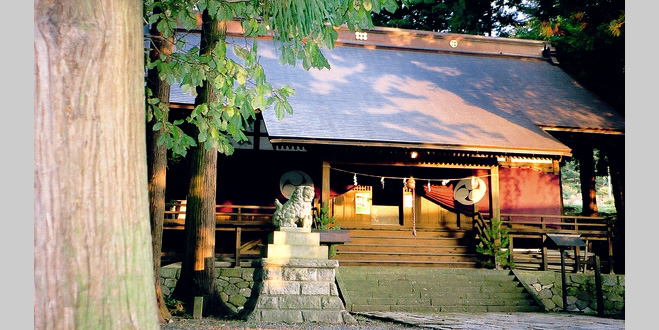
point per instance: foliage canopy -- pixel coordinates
(300, 28)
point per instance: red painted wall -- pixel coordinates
(526, 191)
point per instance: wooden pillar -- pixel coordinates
(325, 189)
(494, 192)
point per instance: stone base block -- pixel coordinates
(296, 252)
(294, 238)
(298, 291)
(302, 316)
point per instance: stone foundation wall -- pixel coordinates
(234, 284)
(547, 288)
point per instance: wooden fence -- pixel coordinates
(533, 226)
(236, 218)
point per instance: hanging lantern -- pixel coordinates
(354, 179)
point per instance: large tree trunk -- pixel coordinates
(587, 179)
(198, 266)
(92, 248)
(157, 161)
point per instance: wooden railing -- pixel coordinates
(237, 218)
(175, 213)
(536, 226)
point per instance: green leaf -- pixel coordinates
(202, 137)
(376, 6)
(153, 18)
(368, 5)
(241, 77)
(240, 52)
(162, 139)
(288, 108)
(279, 110)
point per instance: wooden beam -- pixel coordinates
(325, 189)
(430, 165)
(429, 146)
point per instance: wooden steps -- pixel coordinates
(398, 247)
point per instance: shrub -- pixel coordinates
(493, 246)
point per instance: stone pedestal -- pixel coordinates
(295, 282)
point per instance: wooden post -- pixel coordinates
(494, 192)
(577, 259)
(598, 287)
(238, 246)
(585, 256)
(563, 279)
(510, 249)
(545, 265)
(198, 308)
(609, 241)
(325, 189)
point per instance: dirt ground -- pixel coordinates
(210, 323)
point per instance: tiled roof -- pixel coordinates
(433, 99)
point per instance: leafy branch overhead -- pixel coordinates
(300, 29)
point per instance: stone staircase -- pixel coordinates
(432, 290)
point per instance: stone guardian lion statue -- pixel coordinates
(296, 212)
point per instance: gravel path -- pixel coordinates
(399, 321)
(207, 323)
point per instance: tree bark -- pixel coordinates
(587, 178)
(92, 249)
(198, 266)
(157, 160)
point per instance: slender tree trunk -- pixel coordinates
(198, 267)
(157, 161)
(587, 178)
(92, 249)
(616, 157)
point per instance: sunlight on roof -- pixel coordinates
(442, 116)
(325, 81)
(445, 70)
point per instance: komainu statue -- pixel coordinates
(296, 212)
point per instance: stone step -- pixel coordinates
(403, 256)
(449, 279)
(432, 290)
(445, 309)
(408, 264)
(438, 290)
(475, 300)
